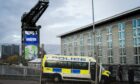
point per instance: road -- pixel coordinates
(37, 82)
(48, 82)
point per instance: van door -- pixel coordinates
(93, 70)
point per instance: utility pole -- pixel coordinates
(42, 55)
(95, 47)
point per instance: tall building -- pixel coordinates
(116, 39)
(9, 50)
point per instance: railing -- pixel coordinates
(16, 72)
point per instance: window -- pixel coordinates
(100, 59)
(67, 64)
(79, 65)
(136, 40)
(82, 53)
(81, 44)
(110, 60)
(123, 59)
(100, 52)
(110, 52)
(89, 41)
(137, 59)
(109, 42)
(92, 42)
(135, 50)
(51, 64)
(134, 23)
(89, 38)
(110, 45)
(122, 49)
(81, 40)
(65, 52)
(99, 45)
(138, 22)
(75, 40)
(75, 45)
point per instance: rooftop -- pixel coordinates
(128, 12)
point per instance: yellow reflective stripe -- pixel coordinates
(46, 69)
(84, 72)
(106, 73)
(67, 71)
(43, 61)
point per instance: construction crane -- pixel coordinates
(28, 24)
(29, 19)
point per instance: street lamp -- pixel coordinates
(95, 47)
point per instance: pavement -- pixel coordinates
(18, 82)
(123, 83)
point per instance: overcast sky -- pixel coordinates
(61, 16)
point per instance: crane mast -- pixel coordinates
(30, 31)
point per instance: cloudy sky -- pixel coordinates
(61, 16)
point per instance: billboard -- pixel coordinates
(31, 45)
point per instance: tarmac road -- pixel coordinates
(48, 82)
(37, 82)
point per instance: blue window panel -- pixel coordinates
(120, 26)
(138, 32)
(138, 22)
(134, 23)
(123, 26)
(57, 69)
(123, 35)
(135, 42)
(134, 32)
(76, 71)
(138, 43)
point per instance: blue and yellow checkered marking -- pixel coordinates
(75, 71)
(66, 71)
(57, 70)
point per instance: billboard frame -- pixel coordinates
(34, 29)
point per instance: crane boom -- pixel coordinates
(29, 19)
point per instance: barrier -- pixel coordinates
(19, 73)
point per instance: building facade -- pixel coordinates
(9, 50)
(116, 40)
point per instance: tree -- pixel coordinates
(13, 59)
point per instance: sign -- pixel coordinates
(31, 45)
(68, 59)
(31, 39)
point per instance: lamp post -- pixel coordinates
(95, 47)
(42, 55)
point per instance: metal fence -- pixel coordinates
(16, 72)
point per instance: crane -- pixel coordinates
(29, 19)
(28, 24)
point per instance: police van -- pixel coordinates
(75, 68)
